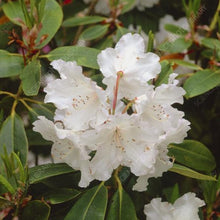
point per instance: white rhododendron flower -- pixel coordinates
(142, 4)
(66, 147)
(184, 208)
(93, 130)
(128, 61)
(163, 35)
(101, 7)
(78, 99)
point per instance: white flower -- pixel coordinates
(96, 138)
(101, 7)
(184, 208)
(121, 141)
(78, 99)
(142, 4)
(66, 148)
(164, 35)
(130, 60)
(155, 109)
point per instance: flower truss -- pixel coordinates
(184, 208)
(129, 124)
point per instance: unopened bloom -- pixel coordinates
(184, 208)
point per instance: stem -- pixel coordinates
(7, 93)
(118, 181)
(14, 106)
(80, 28)
(127, 106)
(24, 57)
(119, 76)
(215, 19)
(33, 101)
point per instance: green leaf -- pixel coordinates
(56, 196)
(13, 11)
(150, 45)
(193, 154)
(51, 13)
(11, 64)
(186, 64)
(4, 203)
(177, 46)
(166, 70)
(36, 210)
(209, 190)
(121, 207)
(13, 137)
(76, 21)
(201, 82)
(211, 43)
(84, 56)
(92, 205)
(175, 29)
(185, 171)
(44, 109)
(120, 32)
(51, 21)
(94, 32)
(172, 193)
(6, 184)
(30, 78)
(127, 5)
(41, 172)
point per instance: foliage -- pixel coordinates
(33, 33)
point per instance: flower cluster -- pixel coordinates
(184, 208)
(130, 123)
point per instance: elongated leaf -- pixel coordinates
(51, 14)
(121, 207)
(30, 78)
(186, 64)
(44, 109)
(36, 210)
(211, 43)
(172, 193)
(4, 203)
(166, 70)
(11, 64)
(193, 154)
(39, 173)
(175, 29)
(6, 184)
(92, 205)
(75, 21)
(94, 32)
(84, 56)
(127, 5)
(13, 11)
(201, 82)
(13, 137)
(56, 196)
(185, 171)
(120, 32)
(51, 21)
(177, 46)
